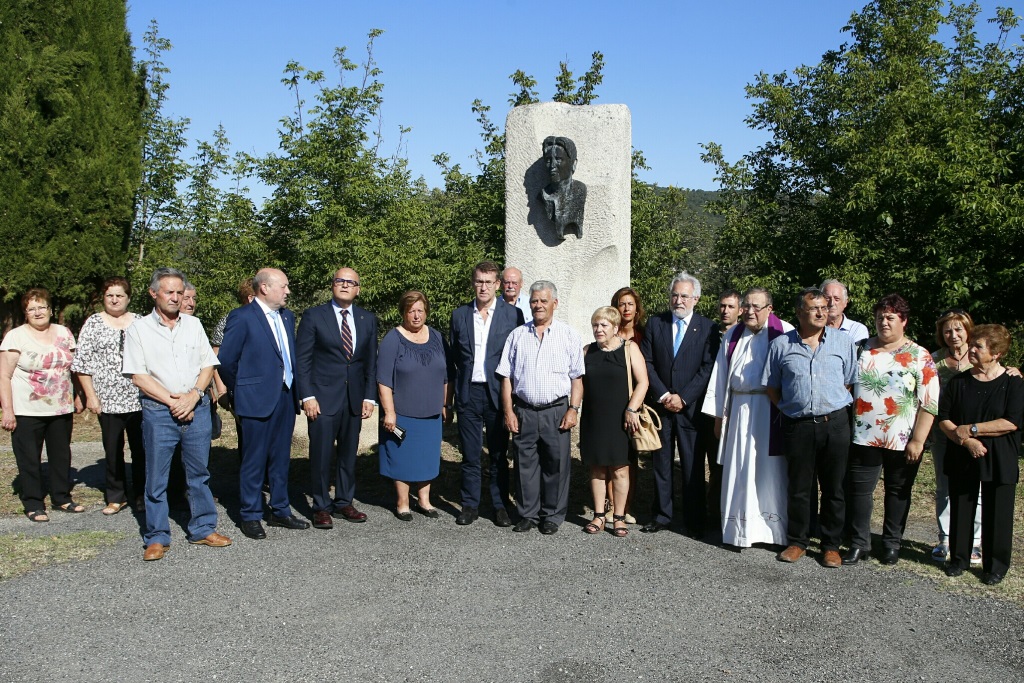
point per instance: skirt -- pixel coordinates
(418, 457)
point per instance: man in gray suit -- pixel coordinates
(478, 333)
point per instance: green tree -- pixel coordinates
(69, 135)
(894, 165)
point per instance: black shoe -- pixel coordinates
(991, 579)
(953, 570)
(289, 522)
(404, 516)
(501, 518)
(653, 527)
(253, 529)
(548, 527)
(889, 556)
(524, 525)
(429, 512)
(467, 516)
(855, 555)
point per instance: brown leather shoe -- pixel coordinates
(792, 554)
(322, 520)
(155, 551)
(214, 540)
(350, 513)
(832, 559)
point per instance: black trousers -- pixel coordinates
(996, 523)
(866, 463)
(817, 451)
(675, 433)
(27, 441)
(113, 427)
(477, 415)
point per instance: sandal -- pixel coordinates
(37, 516)
(620, 531)
(594, 527)
(940, 553)
(72, 507)
(114, 508)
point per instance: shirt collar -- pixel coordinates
(338, 309)
(266, 309)
(490, 309)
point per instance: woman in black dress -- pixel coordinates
(981, 411)
(609, 414)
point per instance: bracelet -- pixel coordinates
(632, 410)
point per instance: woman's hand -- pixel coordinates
(632, 422)
(975, 448)
(390, 420)
(913, 451)
(79, 406)
(9, 422)
(93, 404)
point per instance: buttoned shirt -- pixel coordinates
(675, 330)
(282, 342)
(812, 382)
(542, 370)
(856, 330)
(173, 356)
(481, 329)
(522, 302)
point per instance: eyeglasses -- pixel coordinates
(484, 283)
(816, 309)
(953, 311)
(37, 309)
(342, 282)
(683, 297)
(754, 307)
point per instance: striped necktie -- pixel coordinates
(346, 336)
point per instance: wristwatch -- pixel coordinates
(974, 430)
(576, 408)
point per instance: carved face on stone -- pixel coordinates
(558, 164)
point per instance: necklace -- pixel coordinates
(960, 360)
(609, 349)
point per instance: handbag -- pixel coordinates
(647, 438)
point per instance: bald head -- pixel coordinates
(511, 283)
(271, 287)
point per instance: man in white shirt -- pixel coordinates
(512, 283)
(837, 297)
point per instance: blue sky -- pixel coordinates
(680, 66)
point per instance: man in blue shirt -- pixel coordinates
(808, 377)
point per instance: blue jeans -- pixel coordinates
(162, 433)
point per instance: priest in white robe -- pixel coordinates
(753, 480)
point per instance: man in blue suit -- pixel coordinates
(478, 333)
(258, 367)
(337, 378)
(680, 347)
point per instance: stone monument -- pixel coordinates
(567, 202)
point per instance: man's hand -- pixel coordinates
(511, 422)
(975, 448)
(182, 404)
(673, 403)
(312, 409)
(367, 409)
(569, 420)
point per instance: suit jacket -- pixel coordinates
(686, 373)
(506, 318)
(251, 364)
(323, 371)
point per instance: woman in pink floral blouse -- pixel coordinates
(896, 399)
(38, 401)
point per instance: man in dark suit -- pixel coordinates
(478, 333)
(258, 366)
(337, 376)
(680, 348)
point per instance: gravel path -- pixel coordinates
(432, 601)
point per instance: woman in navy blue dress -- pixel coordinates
(413, 373)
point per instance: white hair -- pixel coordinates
(685, 277)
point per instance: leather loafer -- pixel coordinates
(653, 527)
(992, 579)
(253, 529)
(432, 513)
(322, 520)
(289, 522)
(855, 555)
(792, 554)
(953, 570)
(501, 518)
(889, 556)
(350, 514)
(524, 525)
(467, 516)
(831, 559)
(548, 527)
(404, 516)
(155, 551)
(216, 540)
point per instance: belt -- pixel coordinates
(818, 419)
(544, 406)
(753, 392)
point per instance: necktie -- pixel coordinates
(276, 315)
(680, 331)
(346, 336)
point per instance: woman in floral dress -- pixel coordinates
(38, 401)
(109, 394)
(896, 399)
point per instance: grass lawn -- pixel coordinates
(375, 490)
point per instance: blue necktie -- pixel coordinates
(280, 345)
(680, 331)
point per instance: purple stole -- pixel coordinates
(775, 445)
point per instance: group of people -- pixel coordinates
(775, 411)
